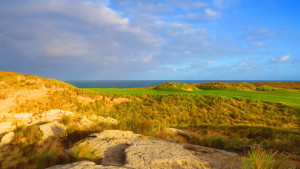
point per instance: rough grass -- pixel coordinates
(222, 85)
(283, 85)
(249, 86)
(227, 137)
(259, 158)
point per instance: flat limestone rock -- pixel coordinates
(7, 138)
(129, 150)
(6, 127)
(53, 129)
(83, 165)
(161, 154)
(51, 115)
(104, 119)
(115, 134)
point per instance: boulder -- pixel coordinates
(53, 129)
(7, 138)
(52, 115)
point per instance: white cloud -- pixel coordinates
(248, 62)
(186, 5)
(220, 3)
(210, 62)
(260, 34)
(213, 14)
(258, 44)
(224, 3)
(144, 58)
(208, 14)
(282, 59)
(199, 4)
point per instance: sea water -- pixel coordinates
(137, 83)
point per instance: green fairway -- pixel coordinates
(288, 97)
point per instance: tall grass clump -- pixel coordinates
(260, 158)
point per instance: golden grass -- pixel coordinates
(259, 158)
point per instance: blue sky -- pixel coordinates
(151, 39)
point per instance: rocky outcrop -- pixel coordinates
(126, 149)
(7, 138)
(53, 129)
(6, 127)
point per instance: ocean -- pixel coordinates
(137, 83)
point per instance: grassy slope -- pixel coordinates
(289, 97)
(21, 93)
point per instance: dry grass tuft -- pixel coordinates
(259, 158)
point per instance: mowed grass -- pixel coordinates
(288, 97)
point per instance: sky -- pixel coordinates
(151, 39)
